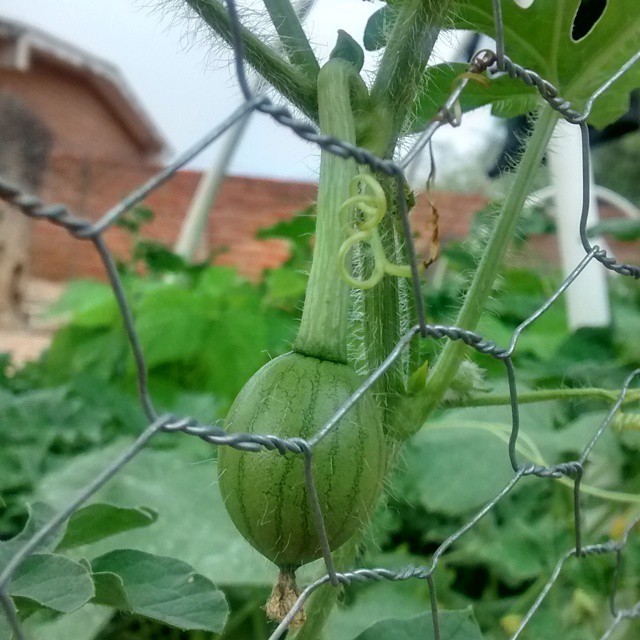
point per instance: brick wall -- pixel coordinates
(79, 119)
(244, 206)
(90, 188)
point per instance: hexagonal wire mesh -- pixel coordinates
(497, 63)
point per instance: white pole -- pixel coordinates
(191, 234)
(587, 298)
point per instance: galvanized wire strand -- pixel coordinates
(129, 325)
(33, 207)
(606, 85)
(318, 518)
(611, 546)
(214, 434)
(308, 132)
(167, 172)
(566, 283)
(607, 421)
(599, 254)
(402, 344)
(11, 614)
(480, 62)
(406, 573)
(616, 577)
(58, 520)
(551, 94)
(546, 89)
(433, 603)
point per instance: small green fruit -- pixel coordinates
(265, 493)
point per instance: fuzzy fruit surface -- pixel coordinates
(266, 494)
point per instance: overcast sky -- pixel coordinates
(187, 84)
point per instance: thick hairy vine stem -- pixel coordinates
(324, 327)
(285, 78)
(544, 395)
(401, 69)
(483, 281)
(292, 36)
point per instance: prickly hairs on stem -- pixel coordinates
(297, 394)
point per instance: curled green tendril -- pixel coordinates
(372, 205)
(361, 214)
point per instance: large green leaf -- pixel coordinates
(456, 467)
(375, 602)
(5, 631)
(540, 39)
(161, 588)
(517, 552)
(39, 514)
(82, 624)
(86, 303)
(97, 521)
(181, 485)
(459, 461)
(508, 96)
(171, 323)
(52, 581)
(59, 413)
(454, 625)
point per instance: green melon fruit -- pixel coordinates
(265, 493)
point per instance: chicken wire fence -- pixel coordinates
(496, 62)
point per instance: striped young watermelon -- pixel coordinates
(265, 493)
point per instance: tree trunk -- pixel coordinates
(24, 147)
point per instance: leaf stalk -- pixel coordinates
(483, 281)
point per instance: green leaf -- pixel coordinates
(43, 416)
(5, 631)
(39, 514)
(378, 27)
(78, 351)
(83, 624)
(346, 48)
(301, 225)
(624, 229)
(626, 331)
(456, 467)
(110, 590)
(375, 602)
(52, 581)
(87, 303)
(164, 589)
(158, 258)
(454, 625)
(171, 323)
(181, 485)
(98, 521)
(540, 39)
(284, 288)
(204, 407)
(508, 96)
(134, 219)
(517, 552)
